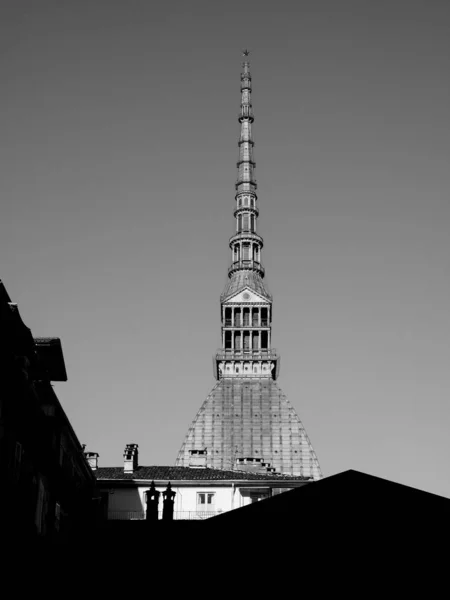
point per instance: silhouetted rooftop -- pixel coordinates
(51, 356)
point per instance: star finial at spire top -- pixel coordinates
(245, 52)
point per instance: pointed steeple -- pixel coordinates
(247, 421)
(246, 181)
(246, 302)
(246, 244)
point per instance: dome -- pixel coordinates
(245, 418)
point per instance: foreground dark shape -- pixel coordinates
(348, 510)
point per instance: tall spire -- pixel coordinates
(247, 422)
(246, 244)
(246, 181)
(246, 303)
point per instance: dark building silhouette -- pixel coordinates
(351, 513)
(47, 484)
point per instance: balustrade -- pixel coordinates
(246, 264)
(238, 323)
(178, 515)
(246, 354)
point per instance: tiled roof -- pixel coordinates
(157, 473)
(242, 279)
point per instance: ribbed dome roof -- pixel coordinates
(242, 279)
(250, 418)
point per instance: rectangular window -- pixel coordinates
(255, 341)
(228, 340)
(237, 341)
(205, 501)
(264, 340)
(264, 317)
(246, 340)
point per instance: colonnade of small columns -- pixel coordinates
(246, 251)
(245, 340)
(256, 317)
(246, 201)
(245, 316)
(246, 222)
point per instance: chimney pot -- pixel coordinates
(130, 458)
(92, 458)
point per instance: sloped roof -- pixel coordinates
(16, 336)
(250, 417)
(350, 501)
(50, 354)
(4, 296)
(242, 279)
(154, 473)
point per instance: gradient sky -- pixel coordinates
(118, 154)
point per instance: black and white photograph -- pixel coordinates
(225, 274)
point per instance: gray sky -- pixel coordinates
(117, 167)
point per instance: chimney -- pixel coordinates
(197, 458)
(92, 458)
(152, 500)
(168, 501)
(254, 465)
(130, 458)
